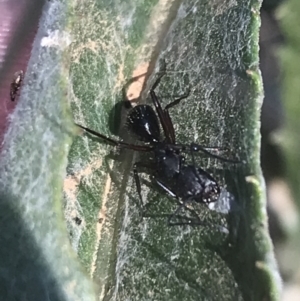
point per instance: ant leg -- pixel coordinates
(140, 148)
(196, 147)
(162, 72)
(193, 147)
(138, 183)
(127, 85)
(135, 78)
(168, 217)
(168, 119)
(157, 82)
(146, 206)
(136, 166)
(163, 114)
(180, 205)
(164, 119)
(196, 222)
(176, 101)
(166, 189)
(190, 221)
(175, 214)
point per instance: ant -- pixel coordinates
(167, 167)
(16, 84)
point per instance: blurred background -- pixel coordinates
(280, 136)
(280, 126)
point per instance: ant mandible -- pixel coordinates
(185, 183)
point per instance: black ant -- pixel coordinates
(185, 183)
(16, 84)
(77, 220)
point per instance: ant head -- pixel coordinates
(142, 121)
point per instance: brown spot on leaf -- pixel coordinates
(135, 88)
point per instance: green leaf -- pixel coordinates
(210, 47)
(37, 261)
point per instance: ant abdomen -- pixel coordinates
(142, 121)
(196, 184)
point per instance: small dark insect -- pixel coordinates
(16, 84)
(166, 165)
(77, 220)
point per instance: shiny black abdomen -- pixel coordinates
(196, 184)
(143, 122)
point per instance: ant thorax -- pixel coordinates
(168, 162)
